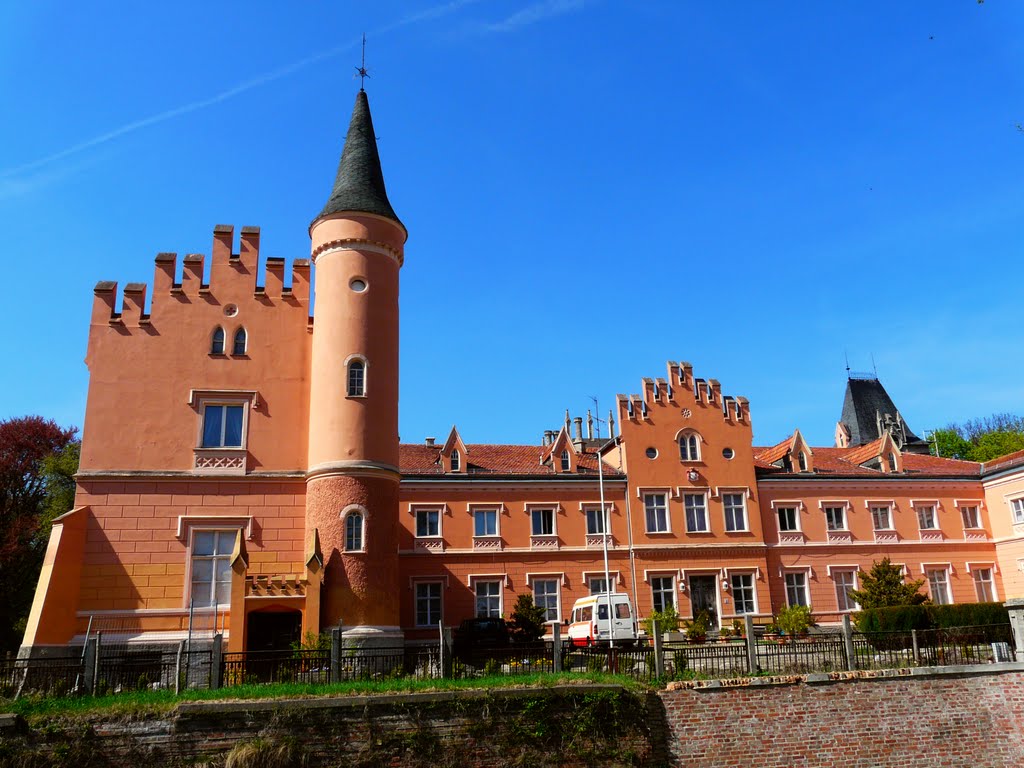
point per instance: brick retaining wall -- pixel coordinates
(935, 718)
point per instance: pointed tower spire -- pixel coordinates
(359, 185)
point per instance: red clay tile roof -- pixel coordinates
(495, 460)
(1004, 462)
(846, 461)
(771, 455)
(863, 453)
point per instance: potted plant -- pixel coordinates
(738, 629)
(795, 620)
(697, 628)
(771, 631)
(667, 621)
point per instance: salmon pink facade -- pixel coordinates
(241, 461)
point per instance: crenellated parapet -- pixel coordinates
(233, 278)
(681, 389)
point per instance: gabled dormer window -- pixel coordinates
(802, 458)
(217, 341)
(456, 461)
(893, 467)
(566, 462)
(239, 347)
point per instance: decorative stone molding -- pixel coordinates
(219, 461)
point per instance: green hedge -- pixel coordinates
(904, 618)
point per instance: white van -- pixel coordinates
(590, 622)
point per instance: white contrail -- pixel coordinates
(531, 14)
(424, 15)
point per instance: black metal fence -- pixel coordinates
(120, 668)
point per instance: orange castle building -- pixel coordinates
(242, 461)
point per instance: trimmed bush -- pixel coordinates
(903, 618)
(968, 614)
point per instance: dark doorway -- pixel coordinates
(704, 597)
(273, 631)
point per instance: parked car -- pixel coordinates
(593, 623)
(481, 633)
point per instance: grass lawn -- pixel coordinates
(140, 704)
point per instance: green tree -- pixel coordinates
(883, 586)
(36, 485)
(526, 624)
(980, 439)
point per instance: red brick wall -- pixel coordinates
(899, 722)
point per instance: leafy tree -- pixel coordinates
(526, 624)
(38, 459)
(980, 439)
(884, 586)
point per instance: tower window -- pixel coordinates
(240, 342)
(354, 532)
(357, 378)
(217, 341)
(566, 464)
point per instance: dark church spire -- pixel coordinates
(359, 185)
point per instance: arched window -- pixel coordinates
(354, 532)
(892, 462)
(356, 378)
(689, 446)
(566, 464)
(238, 348)
(803, 461)
(456, 461)
(217, 341)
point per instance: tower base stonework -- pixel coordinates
(360, 589)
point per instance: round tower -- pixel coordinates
(352, 477)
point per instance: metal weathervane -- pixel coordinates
(361, 70)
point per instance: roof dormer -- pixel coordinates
(562, 454)
(454, 453)
(882, 454)
(792, 455)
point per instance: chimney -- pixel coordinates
(429, 442)
(549, 437)
(590, 425)
(577, 424)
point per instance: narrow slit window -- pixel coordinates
(356, 378)
(217, 342)
(566, 464)
(239, 346)
(456, 461)
(354, 532)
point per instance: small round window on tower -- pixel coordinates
(652, 453)
(728, 453)
(358, 285)
(230, 310)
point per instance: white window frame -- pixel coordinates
(806, 585)
(190, 558)
(690, 435)
(1016, 504)
(666, 494)
(427, 509)
(439, 583)
(455, 460)
(557, 579)
(348, 376)
(826, 504)
(360, 510)
(879, 505)
(741, 493)
(974, 569)
(671, 591)
(499, 583)
(565, 460)
(851, 570)
(702, 506)
(944, 568)
(223, 403)
(553, 509)
(796, 506)
(965, 505)
(752, 575)
(481, 508)
(920, 504)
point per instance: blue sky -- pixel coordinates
(591, 188)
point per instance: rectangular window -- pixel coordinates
(926, 519)
(796, 589)
(984, 586)
(881, 517)
(1017, 507)
(656, 512)
(595, 522)
(542, 522)
(428, 603)
(743, 592)
(788, 519)
(845, 581)
(545, 595)
(222, 426)
(970, 516)
(597, 585)
(696, 512)
(211, 567)
(735, 511)
(428, 523)
(938, 583)
(835, 518)
(485, 522)
(663, 592)
(488, 599)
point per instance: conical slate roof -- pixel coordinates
(866, 400)
(359, 185)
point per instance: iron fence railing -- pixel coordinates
(53, 676)
(293, 666)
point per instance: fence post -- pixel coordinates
(216, 660)
(556, 647)
(177, 668)
(748, 630)
(446, 650)
(917, 648)
(336, 654)
(659, 653)
(89, 659)
(1015, 607)
(851, 659)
